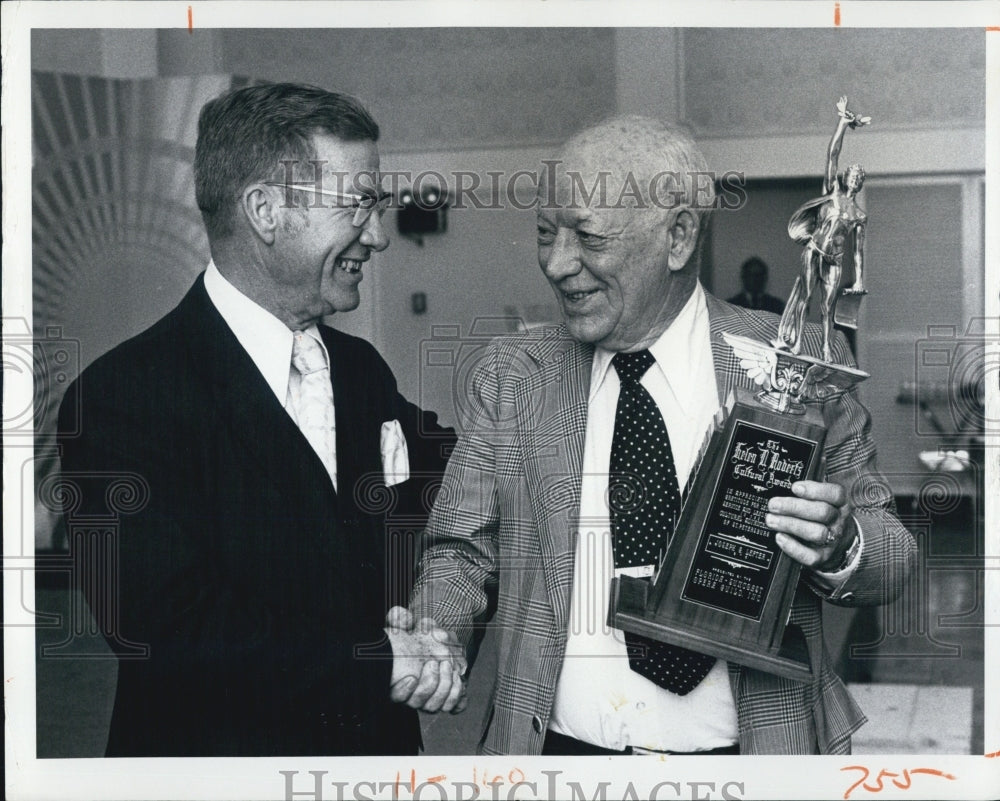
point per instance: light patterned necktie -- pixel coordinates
(310, 399)
(644, 502)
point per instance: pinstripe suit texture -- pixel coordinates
(506, 521)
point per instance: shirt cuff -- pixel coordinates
(832, 582)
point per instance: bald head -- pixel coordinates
(620, 215)
(645, 163)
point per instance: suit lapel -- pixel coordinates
(551, 402)
(354, 406)
(245, 403)
(724, 317)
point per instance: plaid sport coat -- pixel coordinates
(505, 523)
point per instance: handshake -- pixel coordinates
(428, 664)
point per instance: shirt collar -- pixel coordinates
(672, 351)
(266, 339)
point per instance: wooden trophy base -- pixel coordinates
(629, 598)
(724, 587)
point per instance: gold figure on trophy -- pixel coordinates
(824, 226)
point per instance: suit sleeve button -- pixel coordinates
(536, 724)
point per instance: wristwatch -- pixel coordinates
(851, 552)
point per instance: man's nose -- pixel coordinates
(374, 235)
(563, 258)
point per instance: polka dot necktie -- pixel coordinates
(644, 501)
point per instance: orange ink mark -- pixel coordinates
(436, 779)
(836, 14)
(190, 20)
(933, 772)
(993, 27)
(886, 774)
(995, 753)
(864, 772)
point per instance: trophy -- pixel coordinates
(723, 587)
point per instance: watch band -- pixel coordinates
(851, 552)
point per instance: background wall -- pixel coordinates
(759, 228)
(117, 237)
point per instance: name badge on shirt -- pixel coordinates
(636, 571)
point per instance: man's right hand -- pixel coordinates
(428, 664)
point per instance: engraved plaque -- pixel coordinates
(736, 556)
(724, 587)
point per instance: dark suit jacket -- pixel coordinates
(252, 582)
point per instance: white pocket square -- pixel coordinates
(395, 456)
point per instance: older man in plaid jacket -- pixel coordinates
(525, 510)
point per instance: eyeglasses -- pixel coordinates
(363, 205)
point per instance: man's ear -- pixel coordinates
(683, 238)
(260, 209)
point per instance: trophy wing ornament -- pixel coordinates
(788, 381)
(756, 358)
(823, 381)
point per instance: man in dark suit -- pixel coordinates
(267, 450)
(564, 420)
(753, 274)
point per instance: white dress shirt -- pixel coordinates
(266, 339)
(599, 699)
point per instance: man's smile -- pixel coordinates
(351, 266)
(578, 296)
